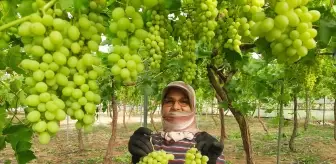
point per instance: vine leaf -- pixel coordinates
(14, 58)
(19, 136)
(25, 156)
(16, 133)
(25, 8)
(78, 4)
(66, 4)
(22, 146)
(3, 116)
(172, 4)
(2, 61)
(2, 142)
(325, 31)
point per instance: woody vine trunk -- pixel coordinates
(261, 121)
(221, 116)
(238, 115)
(80, 140)
(307, 119)
(291, 141)
(124, 116)
(109, 150)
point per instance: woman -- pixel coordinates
(180, 132)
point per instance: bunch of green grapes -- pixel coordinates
(307, 74)
(205, 15)
(310, 80)
(157, 39)
(127, 24)
(194, 156)
(62, 70)
(157, 157)
(235, 24)
(290, 32)
(184, 30)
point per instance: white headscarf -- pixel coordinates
(179, 125)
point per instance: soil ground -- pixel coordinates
(315, 146)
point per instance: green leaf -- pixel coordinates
(2, 142)
(78, 4)
(16, 85)
(8, 161)
(14, 58)
(203, 53)
(25, 156)
(232, 56)
(2, 61)
(3, 116)
(25, 8)
(23, 146)
(66, 4)
(172, 4)
(17, 133)
(8, 9)
(324, 32)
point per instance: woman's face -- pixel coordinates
(176, 100)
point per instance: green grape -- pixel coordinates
(56, 37)
(118, 13)
(44, 137)
(58, 24)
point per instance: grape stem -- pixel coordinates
(13, 23)
(48, 5)
(18, 21)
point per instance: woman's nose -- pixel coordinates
(176, 106)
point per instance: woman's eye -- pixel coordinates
(185, 101)
(168, 101)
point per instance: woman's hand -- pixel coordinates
(139, 144)
(209, 146)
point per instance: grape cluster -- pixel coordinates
(235, 24)
(158, 37)
(194, 156)
(309, 74)
(205, 15)
(290, 32)
(310, 80)
(127, 24)
(62, 69)
(156, 157)
(184, 29)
